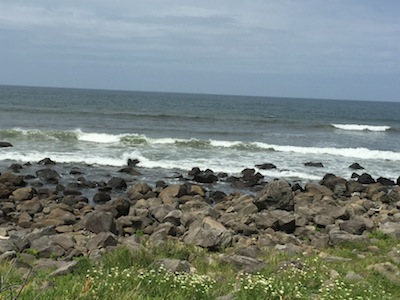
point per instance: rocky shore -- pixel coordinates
(49, 224)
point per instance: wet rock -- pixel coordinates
(385, 181)
(356, 166)
(48, 175)
(206, 176)
(365, 179)
(5, 144)
(46, 161)
(117, 183)
(266, 166)
(314, 164)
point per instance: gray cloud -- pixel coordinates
(235, 43)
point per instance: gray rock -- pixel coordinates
(174, 265)
(209, 234)
(387, 270)
(99, 221)
(275, 195)
(102, 240)
(244, 263)
(64, 269)
(354, 226)
(30, 206)
(48, 175)
(337, 237)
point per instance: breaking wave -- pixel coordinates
(361, 127)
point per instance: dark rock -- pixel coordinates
(314, 164)
(76, 171)
(334, 183)
(99, 221)
(356, 166)
(130, 171)
(101, 197)
(15, 167)
(355, 175)
(365, 179)
(117, 183)
(46, 161)
(297, 187)
(207, 176)
(275, 195)
(5, 144)
(48, 175)
(132, 162)
(353, 226)
(194, 171)
(385, 181)
(266, 166)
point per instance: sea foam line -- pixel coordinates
(361, 127)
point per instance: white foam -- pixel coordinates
(103, 138)
(361, 127)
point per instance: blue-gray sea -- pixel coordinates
(172, 132)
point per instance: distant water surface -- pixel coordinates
(175, 132)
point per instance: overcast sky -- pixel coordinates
(341, 49)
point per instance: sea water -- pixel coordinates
(172, 132)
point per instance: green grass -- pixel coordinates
(123, 274)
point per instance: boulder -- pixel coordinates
(12, 179)
(32, 206)
(25, 193)
(206, 176)
(117, 183)
(46, 247)
(244, 263)
(208, 234)
(336, 184)
(365, 179)
(99, 221)
(385, 181)
(275, 195)
(174, 191)
(354, 226)
(337, 237)
(102, 240)
(48, 175)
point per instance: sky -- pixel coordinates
(342, 49)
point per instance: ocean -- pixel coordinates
(170, 133)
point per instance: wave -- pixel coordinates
(361, 127)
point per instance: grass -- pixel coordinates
(123, 274)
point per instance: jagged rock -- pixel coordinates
(354, 226)
(174, 191)
(46, 161)
(336, 184)
(365, 179)
(102, 240)
(206, 176)
(99, 221)
(356, 166)
(46, 247)
(208, 234)
(275, 195)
